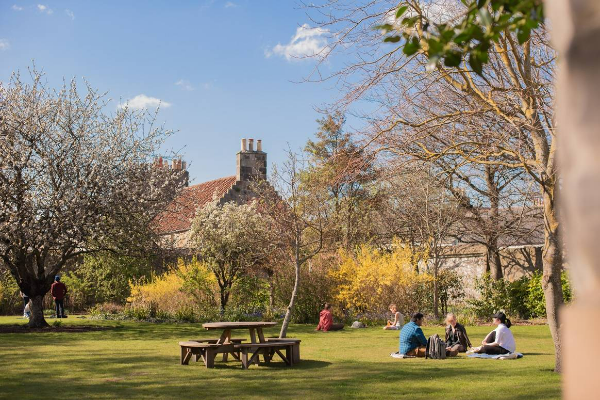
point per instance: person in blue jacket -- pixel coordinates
(412, 339)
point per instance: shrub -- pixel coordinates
(523, 298)
(106, 311)
(10, 298)
(104, 277)
(188, 285)
(369, 279)
(197, 281)
(450, 287)
(316, 288)
(494, 295)
(249, 294)
(79, 291)
(536, 301)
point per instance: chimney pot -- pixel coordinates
(250, 144)
(243, 145)
(258, 145)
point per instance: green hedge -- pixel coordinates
(523, 298)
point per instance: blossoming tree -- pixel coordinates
(73, 180)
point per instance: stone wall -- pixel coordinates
(517, 261)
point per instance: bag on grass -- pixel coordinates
(436, 347)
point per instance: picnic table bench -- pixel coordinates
(295, 346)
(204, 351)
(267, 349)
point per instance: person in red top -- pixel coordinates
(58, 291)
(326, 320)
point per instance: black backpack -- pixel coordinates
(436, 347)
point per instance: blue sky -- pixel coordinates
(224, 69)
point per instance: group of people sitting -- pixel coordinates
(498, 341)
(414, 343)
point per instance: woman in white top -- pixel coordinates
(395, 325)
(501, 339)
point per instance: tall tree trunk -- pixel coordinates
(413, 257)
(290, 308)
(493, 253)
(436, 295)
(576, 36)
(224, 297)
(552, 269)
(271, 295)
(36, 305)
(494, 263)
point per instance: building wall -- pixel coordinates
(517, 261)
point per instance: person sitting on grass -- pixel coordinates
(398, 321)
(456, 340)
(326, 320)
(412, 339)
(500, 340)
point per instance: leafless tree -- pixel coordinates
(498, 208)
(429, 111)
(426, 214)
(299, 219)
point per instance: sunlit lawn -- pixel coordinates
(141, 360)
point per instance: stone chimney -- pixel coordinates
(179, 165)
(251, 164)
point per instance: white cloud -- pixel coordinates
(307, 42)
(142, 101)
(230, 4)
(185, 85)
(44, 9)
(70, 14)
(17, 8)
(438, 11)
(4, 44)
(443, 11)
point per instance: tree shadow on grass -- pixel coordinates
(24, 328)
(143, 373)
(302, 365)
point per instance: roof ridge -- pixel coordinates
(211, 181)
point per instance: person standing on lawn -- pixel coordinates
(59, 291)
(500, 340)
(412, 339)
(326, 320)
(456, 339)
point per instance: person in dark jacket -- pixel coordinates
(456, 340)
(59, 291)
(326, 320)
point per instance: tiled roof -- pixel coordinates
(179, 214)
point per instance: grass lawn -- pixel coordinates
(140, 360)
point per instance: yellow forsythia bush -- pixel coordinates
(369, 279)
(185, 285)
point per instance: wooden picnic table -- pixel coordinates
(207, 349)
(255, 328)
